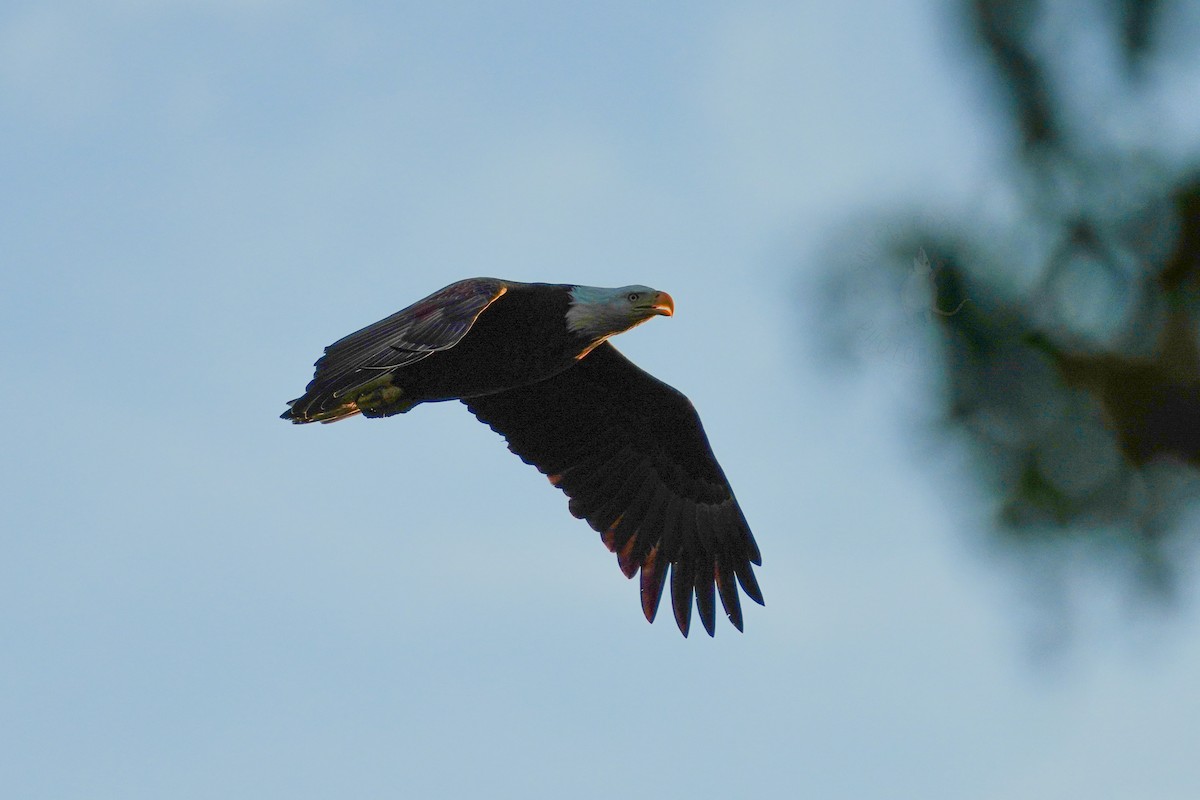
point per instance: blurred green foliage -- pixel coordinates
(1062, 329)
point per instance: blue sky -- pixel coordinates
(203, 601)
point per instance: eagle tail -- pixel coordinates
(379, 397)
(312, 409)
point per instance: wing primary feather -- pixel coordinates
(705, 527)
(625, 533)
(652, 580)
(672, 540)
(650, 534)
(688, 539)
(682, 579)
(628, 566)
(727, 588)
(752, 552)
(705, 596)
(745, 576)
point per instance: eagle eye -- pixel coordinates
(633, 297)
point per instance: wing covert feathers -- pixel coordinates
(630, 453)
(359, 364)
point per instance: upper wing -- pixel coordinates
(631, 453)
(436, 323)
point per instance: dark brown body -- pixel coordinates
(519, 340)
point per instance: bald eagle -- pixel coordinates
(532, 361)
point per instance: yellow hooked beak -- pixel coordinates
(663, 304)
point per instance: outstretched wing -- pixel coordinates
(351, 363)
(631, 454)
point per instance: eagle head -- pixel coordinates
(596, 313)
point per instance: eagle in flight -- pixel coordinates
(533, 362)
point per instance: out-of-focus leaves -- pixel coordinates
(1136, 24)
(1003, 28)
(1065, 338)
